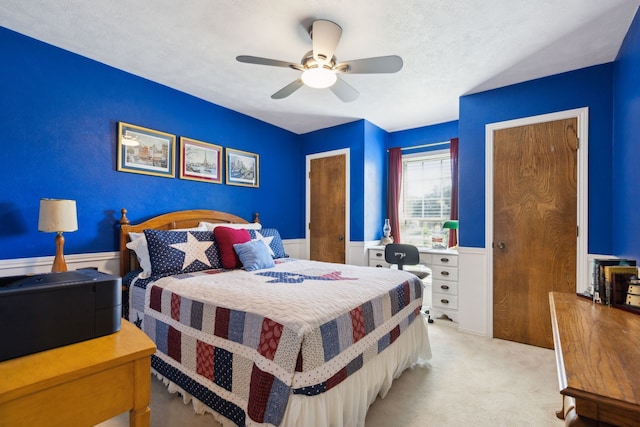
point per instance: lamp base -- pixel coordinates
(386, 240)
(59, 263)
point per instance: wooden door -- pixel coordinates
(534, 226)
(327, 179)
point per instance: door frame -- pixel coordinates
(582, 268)
(347, 198)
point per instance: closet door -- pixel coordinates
(534, 226)
(327, 179)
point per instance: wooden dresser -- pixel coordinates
(598, 356)
(80, 384)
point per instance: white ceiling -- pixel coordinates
(449, 48)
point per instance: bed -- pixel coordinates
(278, 342)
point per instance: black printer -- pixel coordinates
(43, 311)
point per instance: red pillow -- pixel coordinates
(226, 238)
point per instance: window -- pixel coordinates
(426, 197)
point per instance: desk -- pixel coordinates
(443, 300)
(597, 352)
(80, 384)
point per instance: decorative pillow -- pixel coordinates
(138, 244)
(253, 255)
(226, 237)
(173, 252)
(249, 226)
(271, 237)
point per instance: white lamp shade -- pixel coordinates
(57, 215)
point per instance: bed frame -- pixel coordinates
(169, 221)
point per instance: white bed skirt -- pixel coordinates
(354, 395)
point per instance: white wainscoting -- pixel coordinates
(472, 291)
(295, 248)
(356, 252)
(106, 262)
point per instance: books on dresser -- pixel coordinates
(603, 269)
(633, 293)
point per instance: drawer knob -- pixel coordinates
(444, 259)
(444, 301)
(378, 265)
(444, 287)
(378, 254)
(444, 273)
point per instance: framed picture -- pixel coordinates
(146, 151)
(243, 168)
(200, 161)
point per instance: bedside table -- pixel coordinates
(80, 384)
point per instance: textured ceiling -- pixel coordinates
(449, 48)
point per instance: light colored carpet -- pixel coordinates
(470, 381)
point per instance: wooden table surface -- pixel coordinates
(79, 384)
(598, 355)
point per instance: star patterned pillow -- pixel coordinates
(271, 237)
(173, 252)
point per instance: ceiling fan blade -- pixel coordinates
(266, 61)
(379, 64)
(325, 36)
(344, 90)
(288, 89)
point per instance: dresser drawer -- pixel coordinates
(444, 314)
(444, 259)
(376, 258)
(444, 273)
(378, 263)
(376, 254)
(445, 287)
(444, 300)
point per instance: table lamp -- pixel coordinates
(452, 224)
(58, 215)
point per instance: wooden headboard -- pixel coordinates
(168, 221)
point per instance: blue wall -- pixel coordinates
(375, 181)
(368, 146)
(424, 135)
(59, 114)
(626, 146)
(590, 87)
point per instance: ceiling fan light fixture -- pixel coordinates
(319, 78)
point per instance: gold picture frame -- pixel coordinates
(146, 151)
(200, 161)
(242, 168)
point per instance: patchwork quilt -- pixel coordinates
(243, 342)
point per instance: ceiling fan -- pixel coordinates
(320, 68)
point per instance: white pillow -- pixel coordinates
(249, 226)
(138, 244)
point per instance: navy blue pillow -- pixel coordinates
(275, 243)
(173, 252)
(254, 255)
